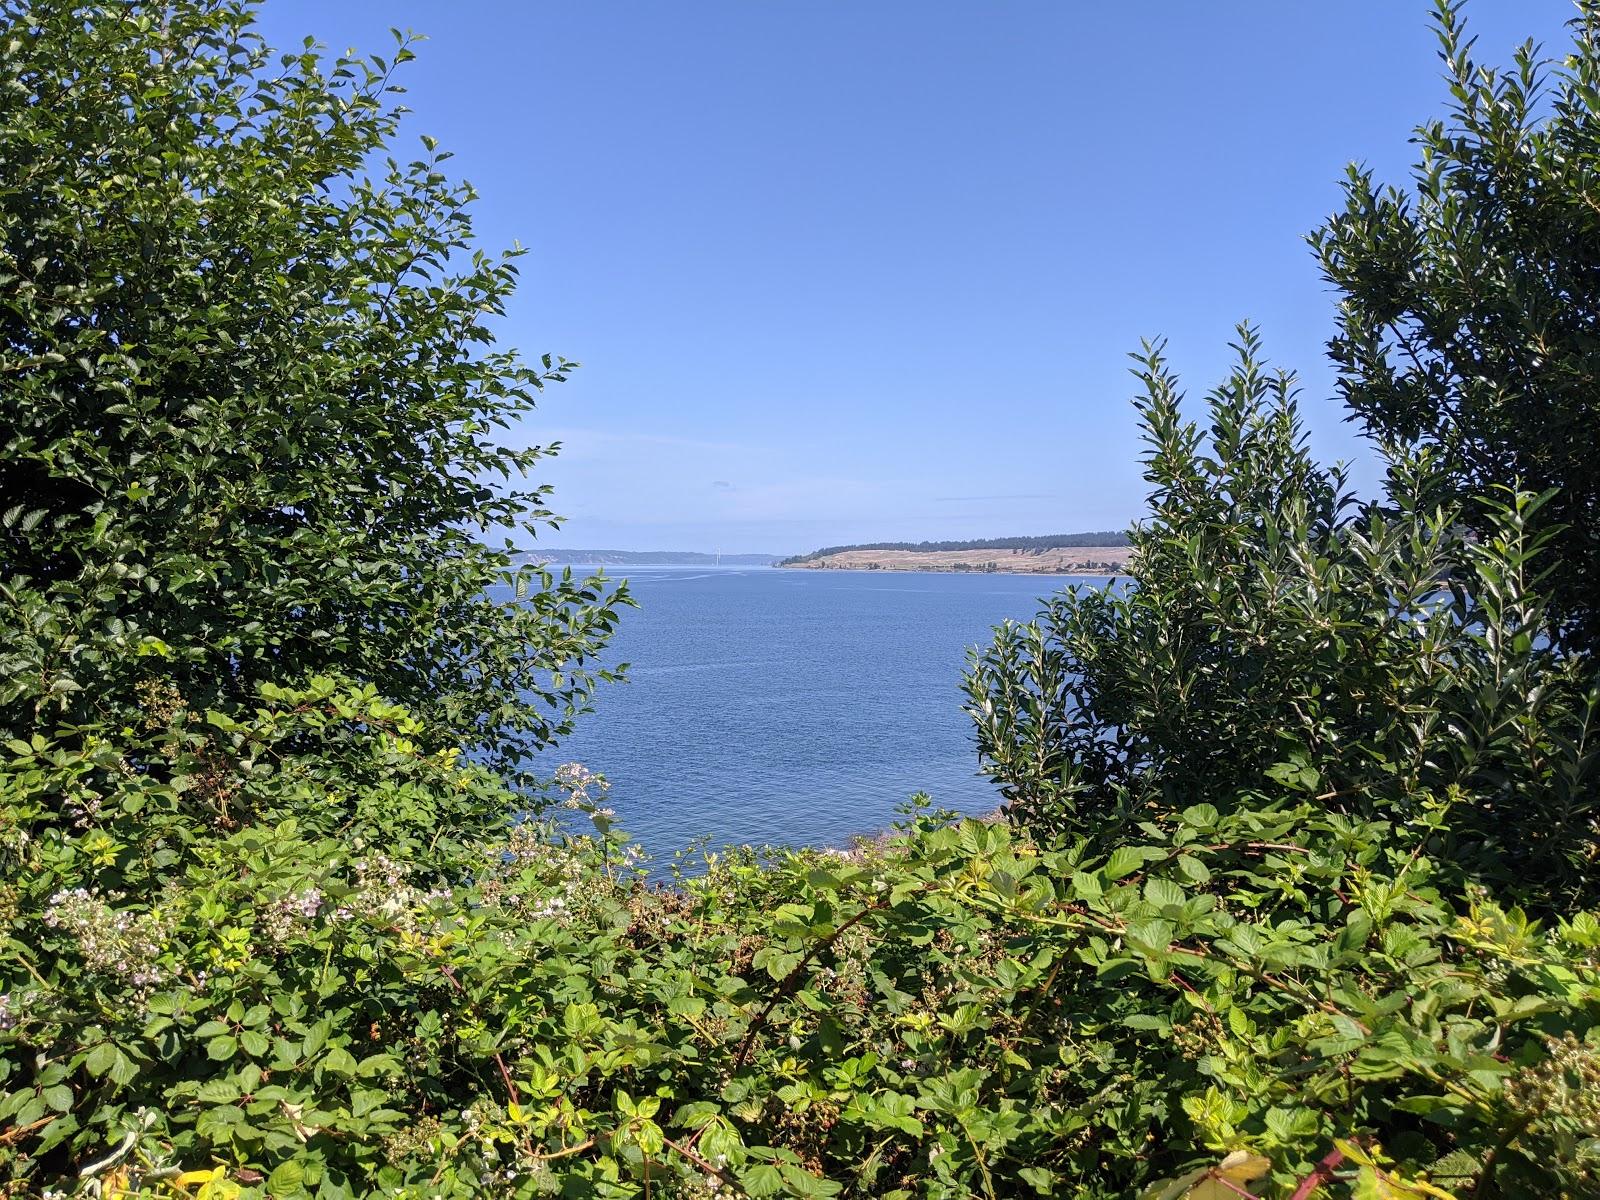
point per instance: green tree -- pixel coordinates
(1469, 301)
(250, 391)
(1432, 648)
(1281, 640)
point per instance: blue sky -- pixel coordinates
(858, 271)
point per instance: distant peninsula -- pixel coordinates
(1102, 553)
(647, 558)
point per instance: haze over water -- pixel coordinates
(792, 707)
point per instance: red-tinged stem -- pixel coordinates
(1233, 1187)
(1323, 1173)
(505, 1074)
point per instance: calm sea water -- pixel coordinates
(792, 707)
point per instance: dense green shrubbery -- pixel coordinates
(1295, 898)
(960, 1012)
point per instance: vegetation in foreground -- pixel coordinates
(1296, 897)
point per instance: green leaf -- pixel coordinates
(316, 1037)
(761, 1179)
(1163, 893)
(1039, 1179)
(58, 1098)
(287, 1179)
(123, 1070)
(1086, 886)
(100, 1059)
(1125, 860)
(1194, 869)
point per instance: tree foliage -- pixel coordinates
(1468, 300)
(250, 390)
(1280, 636)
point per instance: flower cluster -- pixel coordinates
(287, 915)
(160, 700)
(84, 808)
(384, 896)
(703, 1185)
(554, 908)
(418, 1139)
(1564, 1088)
(576, 780)
(585, 790)
(112, 941)
(562, 867)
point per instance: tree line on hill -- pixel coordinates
(1056, 541)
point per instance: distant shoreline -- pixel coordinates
(1059, 560)
(1108, 572)
(737, 567)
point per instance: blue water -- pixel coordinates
(786, 707)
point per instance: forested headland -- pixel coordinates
(1058, 541)
(1295, 890)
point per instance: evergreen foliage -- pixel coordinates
(1469, 299)
(1282, 639)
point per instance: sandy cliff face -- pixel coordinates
(1069, 560)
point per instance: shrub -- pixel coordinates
(1258, 995)
(1392, 694)
(250, 392)
(1373, 658)
(276, 919)
(1467, 300)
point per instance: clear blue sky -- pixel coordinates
(857, 271)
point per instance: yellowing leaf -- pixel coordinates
(1242, 1167)
(1221, 1182)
